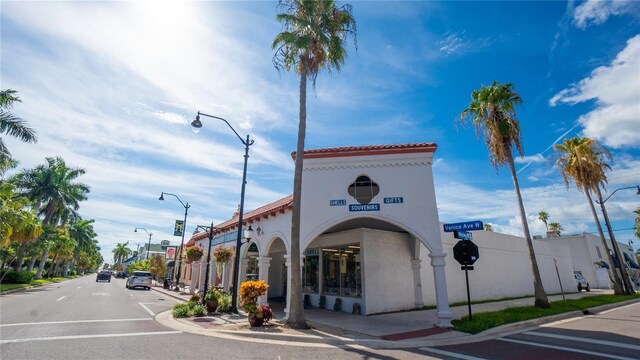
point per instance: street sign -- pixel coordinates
(463, 235)
(465, 252)
(464, 226)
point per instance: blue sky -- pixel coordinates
(112, 86)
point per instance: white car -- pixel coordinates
(139, 279)
(582, 282)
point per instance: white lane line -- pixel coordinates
(89, 336)
(79, 287)
(146, 308)
(586, 340)
(593, 353)
(618, 308)
(62, 297)
(452, 354)
(74, 322)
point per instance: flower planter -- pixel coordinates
(211, 305)
(255, 321)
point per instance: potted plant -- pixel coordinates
(211, 299)
(194, 253)
(249, 293)
(222, 255)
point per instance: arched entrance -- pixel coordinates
(273, 270)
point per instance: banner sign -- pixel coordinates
(170, 253)
(179, 228)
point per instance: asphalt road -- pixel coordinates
(82, 319)
(614, 334)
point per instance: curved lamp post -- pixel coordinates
(150, 235)
(178, 263)
(197, 125)
(616, 249)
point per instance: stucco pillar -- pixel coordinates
(225, 276)
(442, 298)
(242, 275)
(213, 272)
(417, 281)
(263, 274)
(203, 271)
(193, 280)
(287, 263)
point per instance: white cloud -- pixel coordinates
(616, 90)
(170, 117)
(596, 12)
(537, 158)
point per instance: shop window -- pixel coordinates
(252, 263)
(363, 189)
(310, 271)
(341, 271)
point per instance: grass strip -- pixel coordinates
(487, 320)
(7, 287)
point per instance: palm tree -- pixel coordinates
(492, 112)
(121, 252)
(82, 232)
(555, 228)
(12, 125)
(53, 185)
(488, 227)
(637, 225)
(544, 216)
(583, 161)
(314, 37)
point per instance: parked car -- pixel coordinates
(582, 282)
(121, 275)
(103, 275)
(139, 279)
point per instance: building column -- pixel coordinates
(417, 281)
(203, 271)
(193, 280)
(442, 298)
(225, 276)
(242, 275)
(213, 272)
(263, 274)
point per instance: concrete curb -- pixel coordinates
(324, 340)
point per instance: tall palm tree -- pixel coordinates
(583, 161)
(544, 217)
(488, 227)
(53, 185)
(121, 252)
(82, 232)
(492, 112)
(637, 226)
(12, 125)
(555, 228)
(314, 37)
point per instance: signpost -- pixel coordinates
(466, 253)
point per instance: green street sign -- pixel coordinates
(179, 228)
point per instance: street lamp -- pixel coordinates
(178, 263)
(150, 235)
(197, 125)
(616, 249)
(211, 230)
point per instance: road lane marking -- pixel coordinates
(593, 353)
(73, 322)
(79, 287)
(62, 297)
(586, 340)
(73, 337)
(452, 354)
(146, 308)
(617, 308)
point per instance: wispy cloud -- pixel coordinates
(537, 158)
(596, 12)
(456, 43)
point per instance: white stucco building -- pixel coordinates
(371, 239)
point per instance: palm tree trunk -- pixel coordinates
(541, 299)
(296, 317)
(32, 262)
(20, 257)
(617, 284)
(52, 265)
(614, 245)
(43, 260)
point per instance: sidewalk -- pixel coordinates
(394, 330)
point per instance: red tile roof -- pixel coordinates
(272, 209)
(368, 150)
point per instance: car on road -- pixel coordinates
(139, 279)
(121, 275)
(103, 275)
(582, 282)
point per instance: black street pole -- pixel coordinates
(149, 246)
(178, 261)
(197, 124)
(206, 276)
(466, 275)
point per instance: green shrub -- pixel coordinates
(224, 303)
(17, 277)
(181, 310)
(195, 298)
(197, 310)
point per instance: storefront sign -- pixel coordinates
(394, 200)
(311, 252)
(364, 207)
(342, 202)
